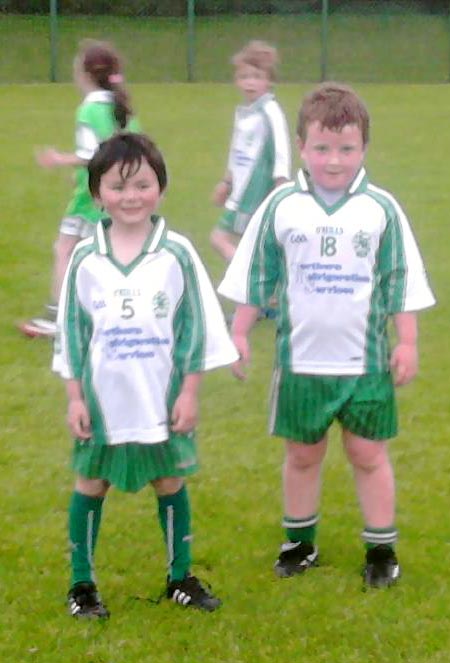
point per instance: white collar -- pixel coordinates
(99, 96)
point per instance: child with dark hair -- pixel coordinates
(105, 109)
(140, 322)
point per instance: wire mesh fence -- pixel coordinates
(373, 41)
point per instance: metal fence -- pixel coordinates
(373, 41)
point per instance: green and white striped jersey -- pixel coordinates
(95, 122)
(131, 334)
(338, 272)
(260, 153)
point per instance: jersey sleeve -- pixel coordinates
(203, 342)
(230, 161)
(86, 141)
(252, 276)
(86, 138)
(404, 281)
(281, 139)
(73, 326)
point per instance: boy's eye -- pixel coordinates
(347, 148)
(117, 187)
(321, 148)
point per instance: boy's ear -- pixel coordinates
(299, 143)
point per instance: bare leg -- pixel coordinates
(224, 243)
(91, 487)
(374, 479)
(301, 478)
(63, 248)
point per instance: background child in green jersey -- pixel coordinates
(342, 254)
(140, 323)
(260, 154)
(105, 109)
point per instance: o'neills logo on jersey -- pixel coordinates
(361, 244)
(161, 304)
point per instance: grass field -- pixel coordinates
(323, 617)
(381, 48)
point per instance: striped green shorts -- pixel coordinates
(132, 466)
(234, 222)
(303, 407)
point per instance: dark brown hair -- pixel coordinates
(102, 63)
(129, 150)
(334, 106)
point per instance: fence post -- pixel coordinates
(448, 37)
(191, 40)
(324, 43)
(53, 40)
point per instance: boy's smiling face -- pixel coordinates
(130, 198)
(332, 158)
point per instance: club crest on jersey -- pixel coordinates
(249, 138)
(361, 244)
(161, 304)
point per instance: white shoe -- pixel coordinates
(38, 327)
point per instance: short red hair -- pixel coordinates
(334, 106)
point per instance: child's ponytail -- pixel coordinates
(122, 103)
(102, 63)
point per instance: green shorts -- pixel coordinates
(303, 407)
(234, 222)
(132, 466)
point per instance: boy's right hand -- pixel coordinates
(243, 347)
(48, 158)
(221, 193)
(78, 419)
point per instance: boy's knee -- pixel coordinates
(366, 454)
(301, 456)
(216, 238)
(91, 487)
(167, 485)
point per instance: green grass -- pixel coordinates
(321, 617)
(378, 48)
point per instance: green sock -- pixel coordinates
(376, 536)
(175, 518)
(301, 529)
(84, 523)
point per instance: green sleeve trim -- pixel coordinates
(266, 259)
(77, 321)
(189, 320)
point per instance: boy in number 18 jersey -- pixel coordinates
(341, 254)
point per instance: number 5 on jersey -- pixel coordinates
(127, 309)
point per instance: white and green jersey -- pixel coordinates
(339, 272)
(95, 122)
(260, 153)
(131, 334)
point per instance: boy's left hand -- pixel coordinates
(184, 413)
(404, 363)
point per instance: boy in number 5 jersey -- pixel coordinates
(341, 254)
(139, 323)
